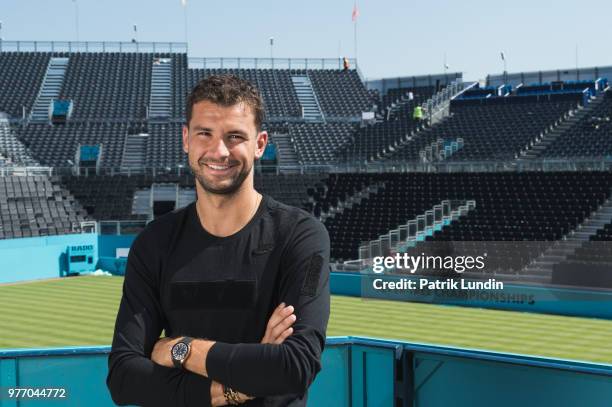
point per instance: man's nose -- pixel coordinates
(218, 149)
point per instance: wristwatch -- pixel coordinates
(180, 351)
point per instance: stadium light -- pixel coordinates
(445, 65)
(503, 57)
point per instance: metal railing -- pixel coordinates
(93, 46)
(438, 106)
(552, 165)
(268, 63)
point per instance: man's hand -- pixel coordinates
(279, 325)
(277, 330)
(161, 351)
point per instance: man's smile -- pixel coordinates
(218, 168)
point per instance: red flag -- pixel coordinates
(355, 13)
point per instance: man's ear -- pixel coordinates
(261, 143)
(185, 139)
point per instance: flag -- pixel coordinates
(503, 57)
(355, 13)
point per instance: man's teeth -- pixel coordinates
(218, 167)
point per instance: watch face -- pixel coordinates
(179, 351)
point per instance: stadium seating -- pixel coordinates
(340, 93)
(57, 145)
(319, 143)
(590, 265)
(111, 197)
(274, 85)
(590, 137)
(21, 74)
(396, 110)
(509, 206)
(108, 85)
(36, 206)
(111, 92)
(492, 129)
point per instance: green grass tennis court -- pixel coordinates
(81, 311)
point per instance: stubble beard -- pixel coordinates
(228, 190)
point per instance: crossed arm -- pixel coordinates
(277, 330)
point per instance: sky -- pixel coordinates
(394, 37)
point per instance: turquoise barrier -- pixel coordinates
(49, 261)
(108, 244)
(355, 372)
(33, 258)
(514, 297)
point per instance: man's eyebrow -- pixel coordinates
(198, 128)
(235, 131)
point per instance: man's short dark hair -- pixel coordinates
(227, 90)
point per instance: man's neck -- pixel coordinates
(224, 215)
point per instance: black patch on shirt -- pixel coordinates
(263, 249)
(220, 294)
(311, 281)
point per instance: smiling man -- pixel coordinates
(238, 281)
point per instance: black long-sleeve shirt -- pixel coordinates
(188, 282)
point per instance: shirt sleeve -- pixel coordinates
(288, 368)
(133, 378)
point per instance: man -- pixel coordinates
(238, 281)
(417, 113)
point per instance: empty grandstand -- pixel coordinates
(119, 144)
(516, 168)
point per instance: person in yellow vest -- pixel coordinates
(417, 114)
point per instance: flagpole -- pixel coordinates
(355, 39)
(184, 3)
(355, 16)
(76, 19)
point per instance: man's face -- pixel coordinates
(222, 144)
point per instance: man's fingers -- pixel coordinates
(280, 320)
(281, 327)
(279, 314)
(281, 338)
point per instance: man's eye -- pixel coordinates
(235, 136)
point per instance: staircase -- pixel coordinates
(408, 235)
(440, 149)
(437, 107)
(354, 199)
(185, 197)
(50, 89)
(160, 101)
(133, 158)
(141, 203)
(421, 132)
(438, 110)
(14, 152)
(288, 160)
(548, 138)
(393, 110)
(560, 250)
(311, 111)
(143, 200)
